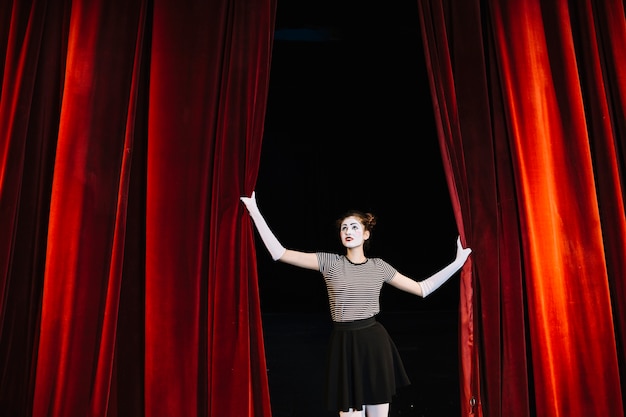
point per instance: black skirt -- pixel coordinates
(364, 366)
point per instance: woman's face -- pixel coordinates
(352, 233)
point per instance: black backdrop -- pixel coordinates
(350, 125)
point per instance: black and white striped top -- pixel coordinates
(353, 289)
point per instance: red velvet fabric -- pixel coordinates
(529, 100)
(128, 131)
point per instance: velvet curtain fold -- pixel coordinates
(529, 101)
(128, 131)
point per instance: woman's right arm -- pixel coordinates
(306, 260)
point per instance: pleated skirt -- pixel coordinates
(363, 366)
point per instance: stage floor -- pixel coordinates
(295, 345)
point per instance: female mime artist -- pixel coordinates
(364, 366)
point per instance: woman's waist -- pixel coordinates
(355, 324)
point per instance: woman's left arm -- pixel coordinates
(427, 286)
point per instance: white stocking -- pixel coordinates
(378, 410)
(352, 413)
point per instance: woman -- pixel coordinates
(364, 366)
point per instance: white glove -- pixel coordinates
(271, 243)
(431, 284)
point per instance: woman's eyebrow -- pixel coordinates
(349, 224)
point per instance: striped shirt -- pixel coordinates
(353, 289)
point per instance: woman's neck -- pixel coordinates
(356, 255)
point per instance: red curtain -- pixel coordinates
(530, 101)
(128, 131)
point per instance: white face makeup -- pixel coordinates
(352, 233)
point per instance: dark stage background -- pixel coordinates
(350, 125)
